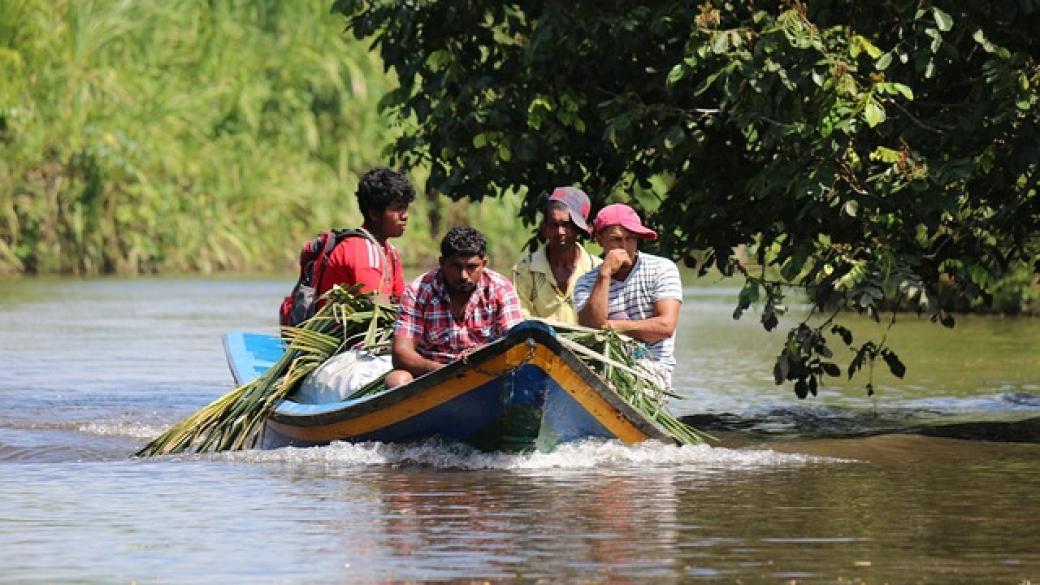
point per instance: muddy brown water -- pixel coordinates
(934, 480)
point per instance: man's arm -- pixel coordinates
(405, 357)
(409, 328)
(593, 313)
(660, 326)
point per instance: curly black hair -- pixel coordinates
(381, 187)
(465, 241)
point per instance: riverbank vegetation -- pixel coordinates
(190, 136)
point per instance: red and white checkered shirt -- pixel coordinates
(425, 315)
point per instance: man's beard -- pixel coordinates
(462, 288)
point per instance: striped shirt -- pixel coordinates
(425, 315)
(651, 279)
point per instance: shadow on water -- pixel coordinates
(829, 422)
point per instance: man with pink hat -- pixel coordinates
(544, 279)
(632, 292)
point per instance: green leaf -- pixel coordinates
(904, 90)
(504, 153)
(894, 364)
(781, 368)
(980, 38)
(936, 37)
(720, 42)
(843, 332)
(873, 113)
(438, 59)
(536, 111)
(794, 264)
(883, 63)
(534, 120)
(866, 45)
(749, 294)
(675, 137)
(887, 155)
(851, 207)
(942, 20)
(703, 87)
(676, 74)
(801, 390)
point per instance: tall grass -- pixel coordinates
(183, 136)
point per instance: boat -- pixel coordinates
(524, 391)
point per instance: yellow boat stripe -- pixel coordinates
(583, 392)
(589, 398)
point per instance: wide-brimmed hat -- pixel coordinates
(624, 216)
(577, 203)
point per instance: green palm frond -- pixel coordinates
(234, 420)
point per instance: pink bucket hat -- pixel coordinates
(577, 203)
(624, 216)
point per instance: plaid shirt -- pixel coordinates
(425, 315)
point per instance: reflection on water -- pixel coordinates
(815, 491)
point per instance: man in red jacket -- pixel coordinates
(373, 262)
(383, 197)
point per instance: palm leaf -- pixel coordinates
(234, 420)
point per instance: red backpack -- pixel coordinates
(302, 303)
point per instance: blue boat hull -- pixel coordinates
(523, 391)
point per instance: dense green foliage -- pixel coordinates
(874, 154)
(187, 136)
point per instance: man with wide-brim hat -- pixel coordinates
(544, 279)
(632, 292)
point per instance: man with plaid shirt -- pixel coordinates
(451, 310)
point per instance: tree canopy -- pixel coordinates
(877, 154)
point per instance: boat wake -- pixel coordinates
(590, 454)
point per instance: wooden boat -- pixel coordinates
(523, 391)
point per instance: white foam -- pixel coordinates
(591, 454)
(123, 429)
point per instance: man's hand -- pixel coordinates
(405, 357)
(615, 261)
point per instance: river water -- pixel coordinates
(841, 488)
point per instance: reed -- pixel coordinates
(349, 319)
(186, 136)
